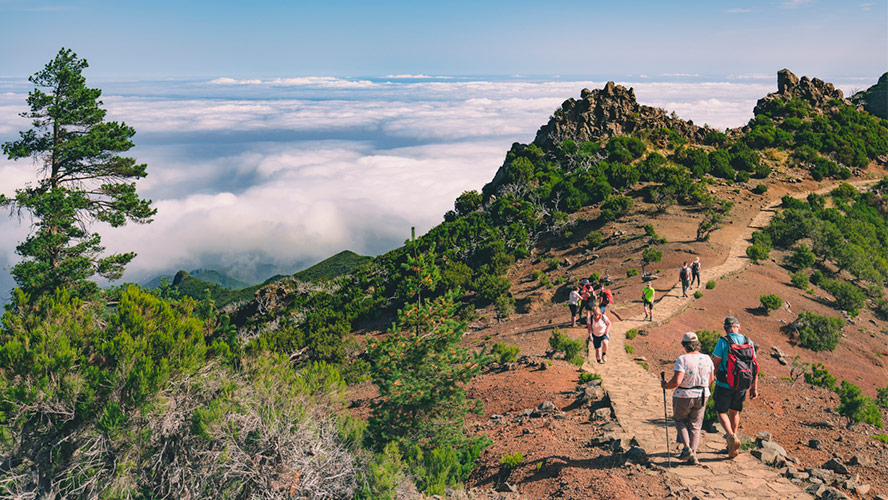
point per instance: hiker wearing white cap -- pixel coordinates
(692, 375)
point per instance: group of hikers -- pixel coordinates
(732, 367)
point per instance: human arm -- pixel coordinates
(607, 323)
(674, 382)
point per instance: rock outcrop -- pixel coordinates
(875, 98)
(601, 114)
(815, 91)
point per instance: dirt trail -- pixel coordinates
(637, 398)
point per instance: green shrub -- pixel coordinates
(512, 460)
(757, 253)
(760, 189)
(651, 254)
(643, 365)
(586, 377)
(856, 406)
(504, 305)
(770, 302)
(799, 279)
(821, 377)
(708, 339)
(385, 473)
(882, 398)
(710, 284)
(629, 348)
(818, 333)
(577, 360)
(803, 257)
(615, 207)
(881, 437)
(505, 353)
(848, 296)
(698, 294)
(594, 239)
(631, 272)
(570, 347)
(816, 277)
(742, 177)
(631, 333)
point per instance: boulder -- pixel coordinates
(545, 408)
(600, 414)
(637, 455)
(815, 444)
(833, 494)
(836, 466)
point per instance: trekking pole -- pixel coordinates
(666, 421)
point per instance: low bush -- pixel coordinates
(631, 272)
(594, 239)
(708, 339)
(631, 333)
(848, 297)
(882, 397)
(856, 406)
(760, 189)
(818, 333)
(757, 253)
(742, 176)
(562, 343)
(586, 377)
(821, 377)
(799, 279)
(803, 257)
(771, 302)
(629, 348)
(710, 284)
(511, 461)
(505, 353)
(881, 437)
(698, 294)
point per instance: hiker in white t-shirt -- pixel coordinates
(693, 373)
(574, 304)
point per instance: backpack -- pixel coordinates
(606, 297)
(683, 273)
(695, 266)
(741, 366)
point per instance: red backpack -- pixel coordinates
(606, 297)
(741, 366)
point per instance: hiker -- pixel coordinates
(647, 296)
(695, 271)
(692, 375)
(599, 328)
(605, 297)
(588, 304)
(737, 371)
(574, 304)
(684, 274)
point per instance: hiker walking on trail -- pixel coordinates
(605, 297)
(588, 304)
(695, 271)
(737, 371)
(692, 375)
(684, 274)
(647, 296)
(599, 328)
(574, 304)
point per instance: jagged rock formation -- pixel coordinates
(875, 98)
(815, 91)
(601, 114)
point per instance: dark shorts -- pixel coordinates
(573, 309)
(596, 341)
(588, 305)
(649, 305)
(726, 399)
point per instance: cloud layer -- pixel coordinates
(270, 175)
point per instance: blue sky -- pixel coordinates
(279, 133)
(161, 38)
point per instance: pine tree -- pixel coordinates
(82, 180)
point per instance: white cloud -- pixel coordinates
(866, 7)
(738, 11)
(794, 4)
(287, 178)
(418, 77)
(307, 81)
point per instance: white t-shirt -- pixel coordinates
(697, 369)
(574, 297)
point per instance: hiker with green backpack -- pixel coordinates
(736, 372)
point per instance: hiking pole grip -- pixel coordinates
(663, 377)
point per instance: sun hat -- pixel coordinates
(689, 337)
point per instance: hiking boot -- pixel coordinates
(692, 460)
(729, 442)
(604, 358)
(685, 453)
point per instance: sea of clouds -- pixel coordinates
(263, 176)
